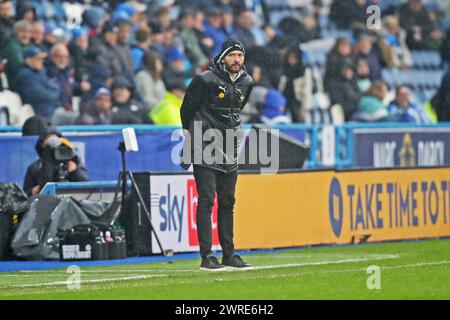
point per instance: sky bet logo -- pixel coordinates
(171, 209)
(392, 205)
(177, 207)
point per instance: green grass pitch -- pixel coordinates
(407, 270)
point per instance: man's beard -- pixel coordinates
(230, 68)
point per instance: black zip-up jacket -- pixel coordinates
(215, 100)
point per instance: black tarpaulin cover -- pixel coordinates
(35, 238)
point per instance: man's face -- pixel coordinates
(103, 102)
(111, 38)
(24, 35)
(415, 5)
(121, 95)
(228, 19)
(38, 33)
(36, 62)
(60, 58)
(365, 45)
(82, 42)
(348, 73)
(404, 97)
(177, 65)
(215, 21)
(6, 10)
(124, 33)
(245, 19)
(188, 22)
(234, 61)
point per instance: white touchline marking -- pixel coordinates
(59, 283)
(319, 263)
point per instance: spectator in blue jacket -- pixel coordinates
(403, 109)
(35, 87)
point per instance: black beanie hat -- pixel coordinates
(230, 45)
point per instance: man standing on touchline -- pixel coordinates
(214, 100)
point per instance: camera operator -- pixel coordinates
(57, 163)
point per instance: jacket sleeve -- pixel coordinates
(79, 175)
(250, 89)
(195, 95)
(39, 90)
(30, 180)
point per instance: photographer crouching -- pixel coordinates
(57, 163)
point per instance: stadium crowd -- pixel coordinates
(129, 62)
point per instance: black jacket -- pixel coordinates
(131, 112)
(215, 100)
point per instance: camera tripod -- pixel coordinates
(122, 183)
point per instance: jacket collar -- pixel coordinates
(218, 68)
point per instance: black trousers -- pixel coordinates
(210, 181)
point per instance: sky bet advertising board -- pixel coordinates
(406, 147)
(173, 207)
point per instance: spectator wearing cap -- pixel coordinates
(404, 109)
(35, 87)
(79, 53)
(6, 20)
(15, 47)
(93, 18)
(149, 84)
(274, 108)
(132, 12)
(125, 109)
(175, 66)
(190, 41)
(98, 110)
(167, 112)
(213, 29)
(123, 48)
(34, 126)
(104, 48)
(53, 34)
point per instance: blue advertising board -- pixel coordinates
(401, 147)
(98, 151)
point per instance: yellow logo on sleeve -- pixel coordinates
(221, 95)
